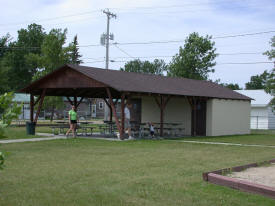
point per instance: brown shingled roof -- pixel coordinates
(147, 83)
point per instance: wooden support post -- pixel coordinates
(75, 101)
(114, 112)
(79, 102)
(122, 112)
(69, 99)
(161, 115)
(37, 100)
(40, 105)
(31, 107)
(111, 111)
(111, 115)
(162, 104)
(110, 108)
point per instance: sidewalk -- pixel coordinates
(225, 143)
(48, 136)
(31, 139)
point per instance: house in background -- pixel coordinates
(89, 108)
(261, 116)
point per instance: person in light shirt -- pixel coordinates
(127, 124)
(72, 121)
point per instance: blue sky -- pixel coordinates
(156, 20)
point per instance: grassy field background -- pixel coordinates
(253, 138)
(97, 172)
(20, 132)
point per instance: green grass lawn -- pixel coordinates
(98, 172)
(20, 132)
(256, 137)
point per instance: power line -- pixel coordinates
(246, 63)
(241, 35)
(216, 64)
(241, 53)
(165, 41)
(51, 19)
(169, 56)
(178, 41)
(171, 6)
(132, 8)
(123, 51)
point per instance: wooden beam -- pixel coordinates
(71, 102)
(37, 100)
(162, 104)
(108, 104)
(157, 101)
(114, 112)
(161, 115)
(122, 112)
(110, 108)
(75, 101)
(111, 111)
(31, 107)
(166, 100)
(79, 102)
(190, 100)
(40, 105)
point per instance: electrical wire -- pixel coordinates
(52, 18)
(169, 56)
(216, 64)
(123, 51)
(167, 41)
(154, 8)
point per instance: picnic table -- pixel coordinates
(169, 128)
(62, 129)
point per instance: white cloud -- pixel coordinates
(155, 23)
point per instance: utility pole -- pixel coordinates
(108, 36)
(105, 41)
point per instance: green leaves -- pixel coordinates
(195, 60)
(8, 111)
(270, 83)
(258, 81)
(156, 67)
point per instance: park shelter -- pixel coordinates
(204, 107)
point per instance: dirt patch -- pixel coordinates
(264, 175)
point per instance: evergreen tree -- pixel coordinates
(75, 56)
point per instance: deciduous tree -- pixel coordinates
(270, 85)
(195, 60)
(8, 112)
(156, 67)
(258, 81)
